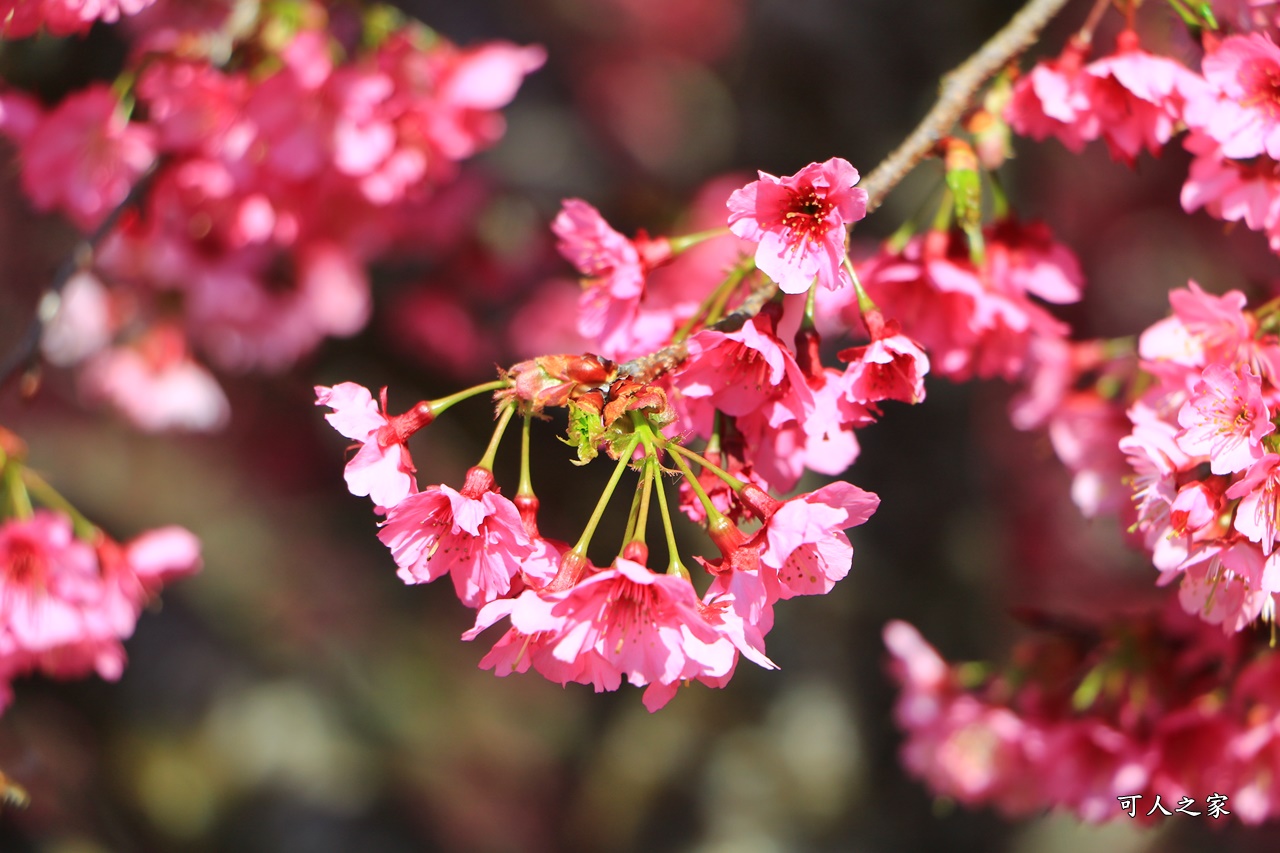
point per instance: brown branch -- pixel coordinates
(955, 96)
(956, 93)
(23, 356)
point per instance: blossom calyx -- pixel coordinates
(400, 427)
(759, 501)
(479, 480)
(554, 380)
(573, 565)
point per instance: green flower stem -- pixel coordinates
(865, 302)
(503, 419)
(526, 482)
(810, 300)
(946, 212)
(624, 459)
(723, 294)
(674, 566)
(999, 198)
(438, 406)
(19, 500)
(687, 241)
(640, 520)
(733, 482)
(49, 496)
(633, 515)
(714, 516)
(718, 296)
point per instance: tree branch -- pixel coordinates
(955, 96)
(956, 93)
(23, 356)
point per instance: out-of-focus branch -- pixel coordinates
(23, 356)
(955, 96)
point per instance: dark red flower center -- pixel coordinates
(1262, 80)
(806, 216)
(25, 565)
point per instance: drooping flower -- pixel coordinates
(474, 535)
(1258, 514)
(616, 622)
(156, 384)
(891, 367)
(799, 222)
(1138, 98)
(806, 544)
(382, 468)
(614, 268)
(739, 372)
(1050, 101)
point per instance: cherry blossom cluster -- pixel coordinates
(1137, 101)
(1083, 716)
(765, 409)
(974, 312)
(1203, 458)
(70, 594)
(279, 160)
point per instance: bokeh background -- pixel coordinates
(295, 696)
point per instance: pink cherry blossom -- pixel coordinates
(151, 560)
(621, 621)
(84, 156)
(1222, 584)
(1225, 419)
(22, 18)
(50, 587)
(961, 746)
(967, 319)
(1240, 108)
(780, 443)
(1231, 190)
(382, 467)
(806, 544)
(1204, 328)
(799, 222)
(1258, 514)
(156, 385)
(648, 627)
(475, 535)
(739, 372)
(83, 324)
(1138, 98)
(1051, 101)
(1197, 506)
(1153, 454)
(891, 367)
(615, 270)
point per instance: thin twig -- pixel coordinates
(23, 356)
(957, 91)
(954, 97)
